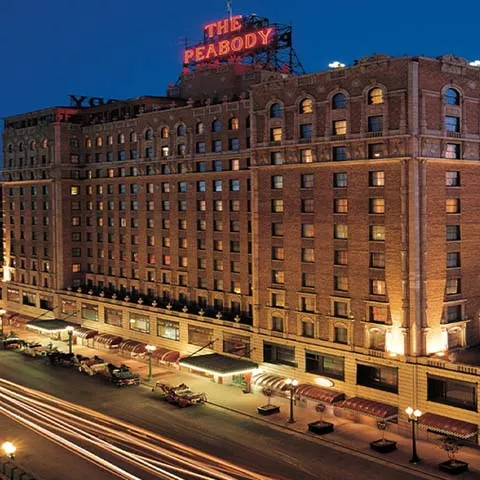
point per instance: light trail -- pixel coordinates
(147, 451)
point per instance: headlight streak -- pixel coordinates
(189, 461)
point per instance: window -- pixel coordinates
(181, 130)
(278, 276)
(279, 354)
(306, 155)
(216, 146)
(234, 185)
(113, 317)
(379, 377)
(340, 205)
(217, 166)
(276, 134)
(277, 323)
(306, 106)
(74, 190)
(277, 229)
(377, 339)
(452, 124)
(168, 329)
(233, 144)
(181, 149)
(199, 336)
(308, 280)
(339, 101)
(149, 152)
(340, 334)
(377, 205)
(200, 128)
(139, 322)
(453, 286)
(377, 313)
(308, 255)
(276, 158)
(340, 127)
(308, 230)
(307, 205)
(328, 365)
(452, 205)
(376, 178)
(306, 130)
(375, 150)
(452, 150)
(452, 392)
(453, 259)
(165, 153)
(277, 206)
(340, 180)
(339, 153)
(377, 233)
(233, 124)
(275, 110)
(278, 253)
(340, 309)
(377, 260)
(452, 179)
(89, 312)
(278, 300)
(375, 123)
(377, 287)
(148, 134)
(235, 164)
(216, 126)
(340, 231)
(340, 283)
(307, 180)
(341, 257)
(375, 96)
(76, 267)
(454, 313)
(451, 97)
(453, 233)
(236, 345)
(308, 329)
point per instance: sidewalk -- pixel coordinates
(354, 437)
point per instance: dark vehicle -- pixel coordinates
(180, 395)
(13, 343)
(60, 359)
(121, 376)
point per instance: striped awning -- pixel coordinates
(380, 411)
(323, 395)
(447, 426)
(84, 332)
(108, 339)
(267, 380)
(132, 346)
(166, 355)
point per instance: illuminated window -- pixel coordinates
(181, 130)
(74, 190)
(375, 96)
(278, 253)
(340, 127)
(377, 287)
(308, 230)
(121, 138)
(165, 151)
(277, 181)
(200, 128)
(306, 156)
(278, 276)
(275, 110)
(377, 313)
(308, 255)
(339, 101)
(276, 158)
(376, 178)
(375, 150)
(233, 124)
(452, 205)
(133, 136)
(99, 142)
(340, 257)
(306, 106)
(76, 267)
(377, 233)
(377, 339)
(277, 206)
(88, 142)
(340, 205)
(276, 134)
(376, 205)
(216, 126)
(452, 97)
(340, 231)
(340, 283)
(452, 150)
(377, 260)
(164, 133)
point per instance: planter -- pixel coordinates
(453, 468)
(320, 427)
(268, 410)
(383, 446)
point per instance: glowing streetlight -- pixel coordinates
(150, 349)
(292, 385)
(413, 418)
(9, 448)
(70, 334)
(336, 64)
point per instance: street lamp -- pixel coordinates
(9, 448)
(292, 385)
(70, 333)
(413, 418)
(2, 313)
(150, 349)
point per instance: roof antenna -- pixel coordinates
(229, 9)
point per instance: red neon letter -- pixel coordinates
(250, 40)
(210, 29)
(222, 27)
(211, 52)
(236, 44)
(199, 53)
(236, 23)
(265, 34)
(188, 55)
(223, 47)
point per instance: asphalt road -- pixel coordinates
(233, 437)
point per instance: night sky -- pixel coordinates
(125, 48)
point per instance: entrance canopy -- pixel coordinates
(217, 364)
(84, 332)
(50, 326)
(380, 411)
(447, 426)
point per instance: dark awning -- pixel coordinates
(108, 339)
(268, 380)
(321, 394)
(380, 411)
(166, 355)
(84, 332)
(218, 364)
(447, 426)
(132, 346)
(50, 326)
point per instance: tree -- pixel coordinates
(451, 446)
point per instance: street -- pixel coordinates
(234, 438)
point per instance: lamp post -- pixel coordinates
(292, 385)
(70, 334)
(2, 313)
(150, 349)
(9, 448)
(413, 418)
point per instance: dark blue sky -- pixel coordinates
(126, 48)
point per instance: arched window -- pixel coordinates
(88, 142)
(452, 97)
(99, 142)
(216, 125)
(181, 130)
(339, 101)
(33, 144)
(10, 148)
(306, 106)
(276, 110)
(133, 136)
(149, 134)
(20, 147)
(375, 96)
(164, 132)
(110, 140)
(121, 138)
(200, 128)
(233, 124)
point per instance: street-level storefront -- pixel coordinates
(54, 329)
